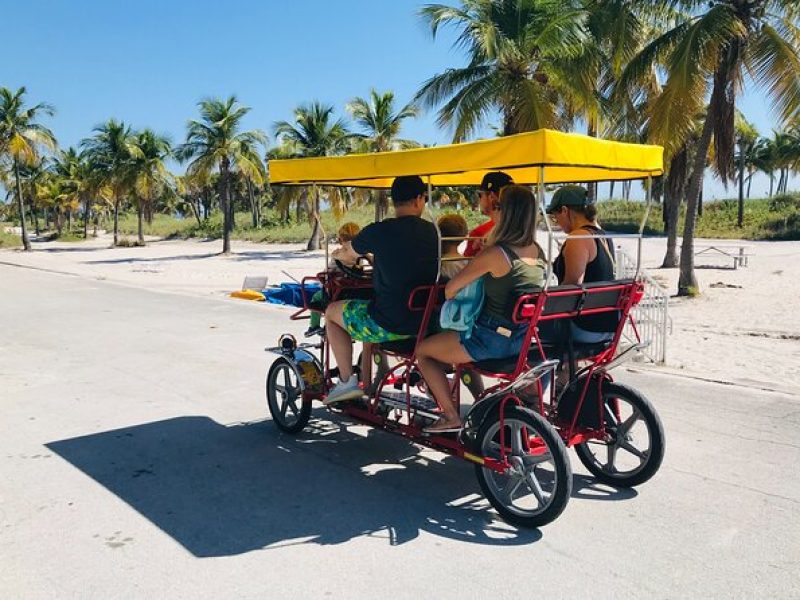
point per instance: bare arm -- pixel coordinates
(489, 261)
(577, 254)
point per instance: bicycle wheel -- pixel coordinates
(290, 412)
(633, 449)
(537, 487)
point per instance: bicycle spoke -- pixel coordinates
(626, 425)
(511, 487)
(535, 487)
(610, 458)
(626, 445)
(516, 440)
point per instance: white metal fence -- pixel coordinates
(652, 313)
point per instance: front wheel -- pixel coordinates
(290, 412)
(633, 448)
(536, 488)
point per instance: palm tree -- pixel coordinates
(713, 47)
(380, 126)
(148, 172)
(314, 133)
(215, 142)
(73, 168)
(109, 153)
(746, 137)
(21, 138)
(516, 51)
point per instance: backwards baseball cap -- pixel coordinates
(407, 187)
(492, 182)
(568, 195)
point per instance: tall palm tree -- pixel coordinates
(73, 168)
(21, 139)
(215, 142)
(746, 136)
(148, 171)
(713, 47)
(109, 153)
(516, 50)
(380, 127)
(314, 132)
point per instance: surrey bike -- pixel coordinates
(517, 431)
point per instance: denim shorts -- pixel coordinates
(485, 342)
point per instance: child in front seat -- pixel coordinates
(347, 257)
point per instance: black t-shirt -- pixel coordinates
(406, 251)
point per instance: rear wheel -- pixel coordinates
(536, 488)
(290, 412)
(633, 448)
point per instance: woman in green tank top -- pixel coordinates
(511, 265)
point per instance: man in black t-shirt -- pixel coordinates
(405, 253)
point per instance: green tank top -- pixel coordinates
(502, 293)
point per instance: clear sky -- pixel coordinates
(148, 62)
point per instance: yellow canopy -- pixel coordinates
(567, 157)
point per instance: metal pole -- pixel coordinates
(540, 200)
(429, 205)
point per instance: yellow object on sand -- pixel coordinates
(567, 158)
(249, 295)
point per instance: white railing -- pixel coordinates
(651, 314)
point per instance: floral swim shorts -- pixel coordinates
(362, 327)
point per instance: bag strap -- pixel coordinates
(603, 243)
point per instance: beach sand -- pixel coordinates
(742, 329)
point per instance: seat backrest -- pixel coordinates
(567, 301)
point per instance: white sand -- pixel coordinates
(747, 334)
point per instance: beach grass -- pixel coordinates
(271, 231)
(9, 240)
(775, 218)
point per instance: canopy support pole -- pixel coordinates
(429, 205)
(540, 202)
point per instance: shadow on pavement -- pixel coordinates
(224, 490)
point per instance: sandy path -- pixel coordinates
(743, 331)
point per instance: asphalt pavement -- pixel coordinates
(137, 460)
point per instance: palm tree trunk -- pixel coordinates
(116, 221)
(252, 199)
(225, 201)
(675, 188)
(771, 182)
(34, 214)
(740, 214)
(611, 190)
(381, 205)
(687, 281)
(749, 183)
(140, 228)
(26, 243)
(315, 243)
(86, 218)
(591, 131)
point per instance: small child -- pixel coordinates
(345, 255)
(452, 226)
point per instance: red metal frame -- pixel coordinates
(528, 309)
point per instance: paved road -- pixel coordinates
(136, 461)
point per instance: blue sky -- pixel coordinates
(149, 62)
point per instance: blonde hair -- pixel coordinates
(518, 213)
(348, 231)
